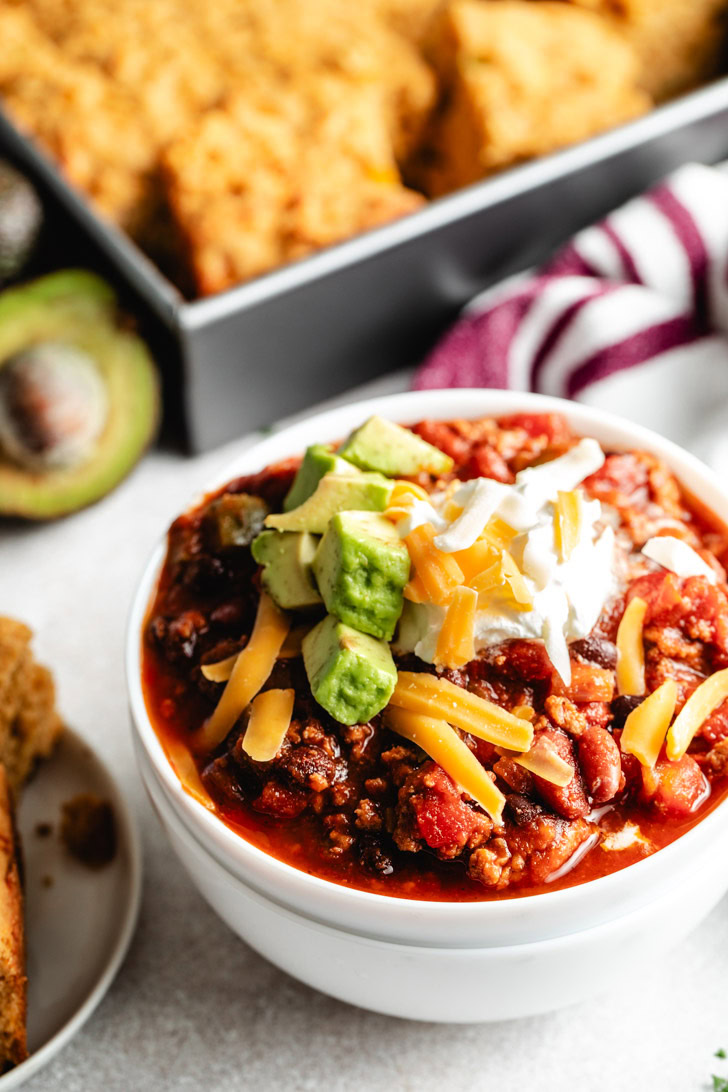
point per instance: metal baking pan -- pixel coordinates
(376, 302)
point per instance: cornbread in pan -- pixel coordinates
(522, 79)
(268, 178)
(680, 43)
(447, 90)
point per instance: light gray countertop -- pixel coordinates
(193, 1007)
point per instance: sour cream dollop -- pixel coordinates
(568, 593)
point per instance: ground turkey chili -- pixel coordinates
(578, 595)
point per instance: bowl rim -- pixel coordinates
(232, 849)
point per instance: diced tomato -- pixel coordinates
(486, 462)
(619, 480)
(694, 605)
(661, 593)
(551, 425)
(676, 788)
(445, 437)
(443, 818)
(588, 683)
(706, 612)
(715, 727)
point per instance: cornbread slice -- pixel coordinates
(86, 122)
(522, 79)
(29, 723)
(29, 727)
(288, 40)
(270, 177)
(13, 995)
(680, 43)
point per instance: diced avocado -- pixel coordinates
(64, 346)
(352, 675)
(381, 445)
(361, 567)
(286, 558)
(21, 217)
(239, 517)
(335, 493)
(317, 461)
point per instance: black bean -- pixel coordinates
(374, 859)
(595, 650)
(622, 707)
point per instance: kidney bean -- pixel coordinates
(569, 801)
(601, 764)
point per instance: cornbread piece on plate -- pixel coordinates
(680, 43)
(13, 1048)
(522, 79)
(29, 723)
(29, 727)
(269, 177)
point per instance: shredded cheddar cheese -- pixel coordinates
(630, 649)
(499, 533)
(444, 746)
(252, 668)
(475, 559)
(184, 766)
(543, 761)
(436, 697)
(402, 498)
(567, 523)
(439, 572)
(456, 640)
(403, 489)
(701, 703)
(221, 670)
(503, 573)
(514, 579)
(646, 726)
(270, 718)
(415, 590)
(490, 578)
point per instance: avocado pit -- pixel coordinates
(53, 406)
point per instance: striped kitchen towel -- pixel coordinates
(630, 316)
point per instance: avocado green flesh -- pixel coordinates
(361, 568)
(335, 493)
(392, 450)
(352, 675)
(78, 308)
(318, 461)
(286, 558)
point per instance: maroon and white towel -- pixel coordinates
(631, 316)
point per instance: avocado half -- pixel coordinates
(77, 309)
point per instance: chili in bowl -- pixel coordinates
(453, 685)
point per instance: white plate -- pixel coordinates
(79, 921)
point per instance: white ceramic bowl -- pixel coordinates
(458, 962)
